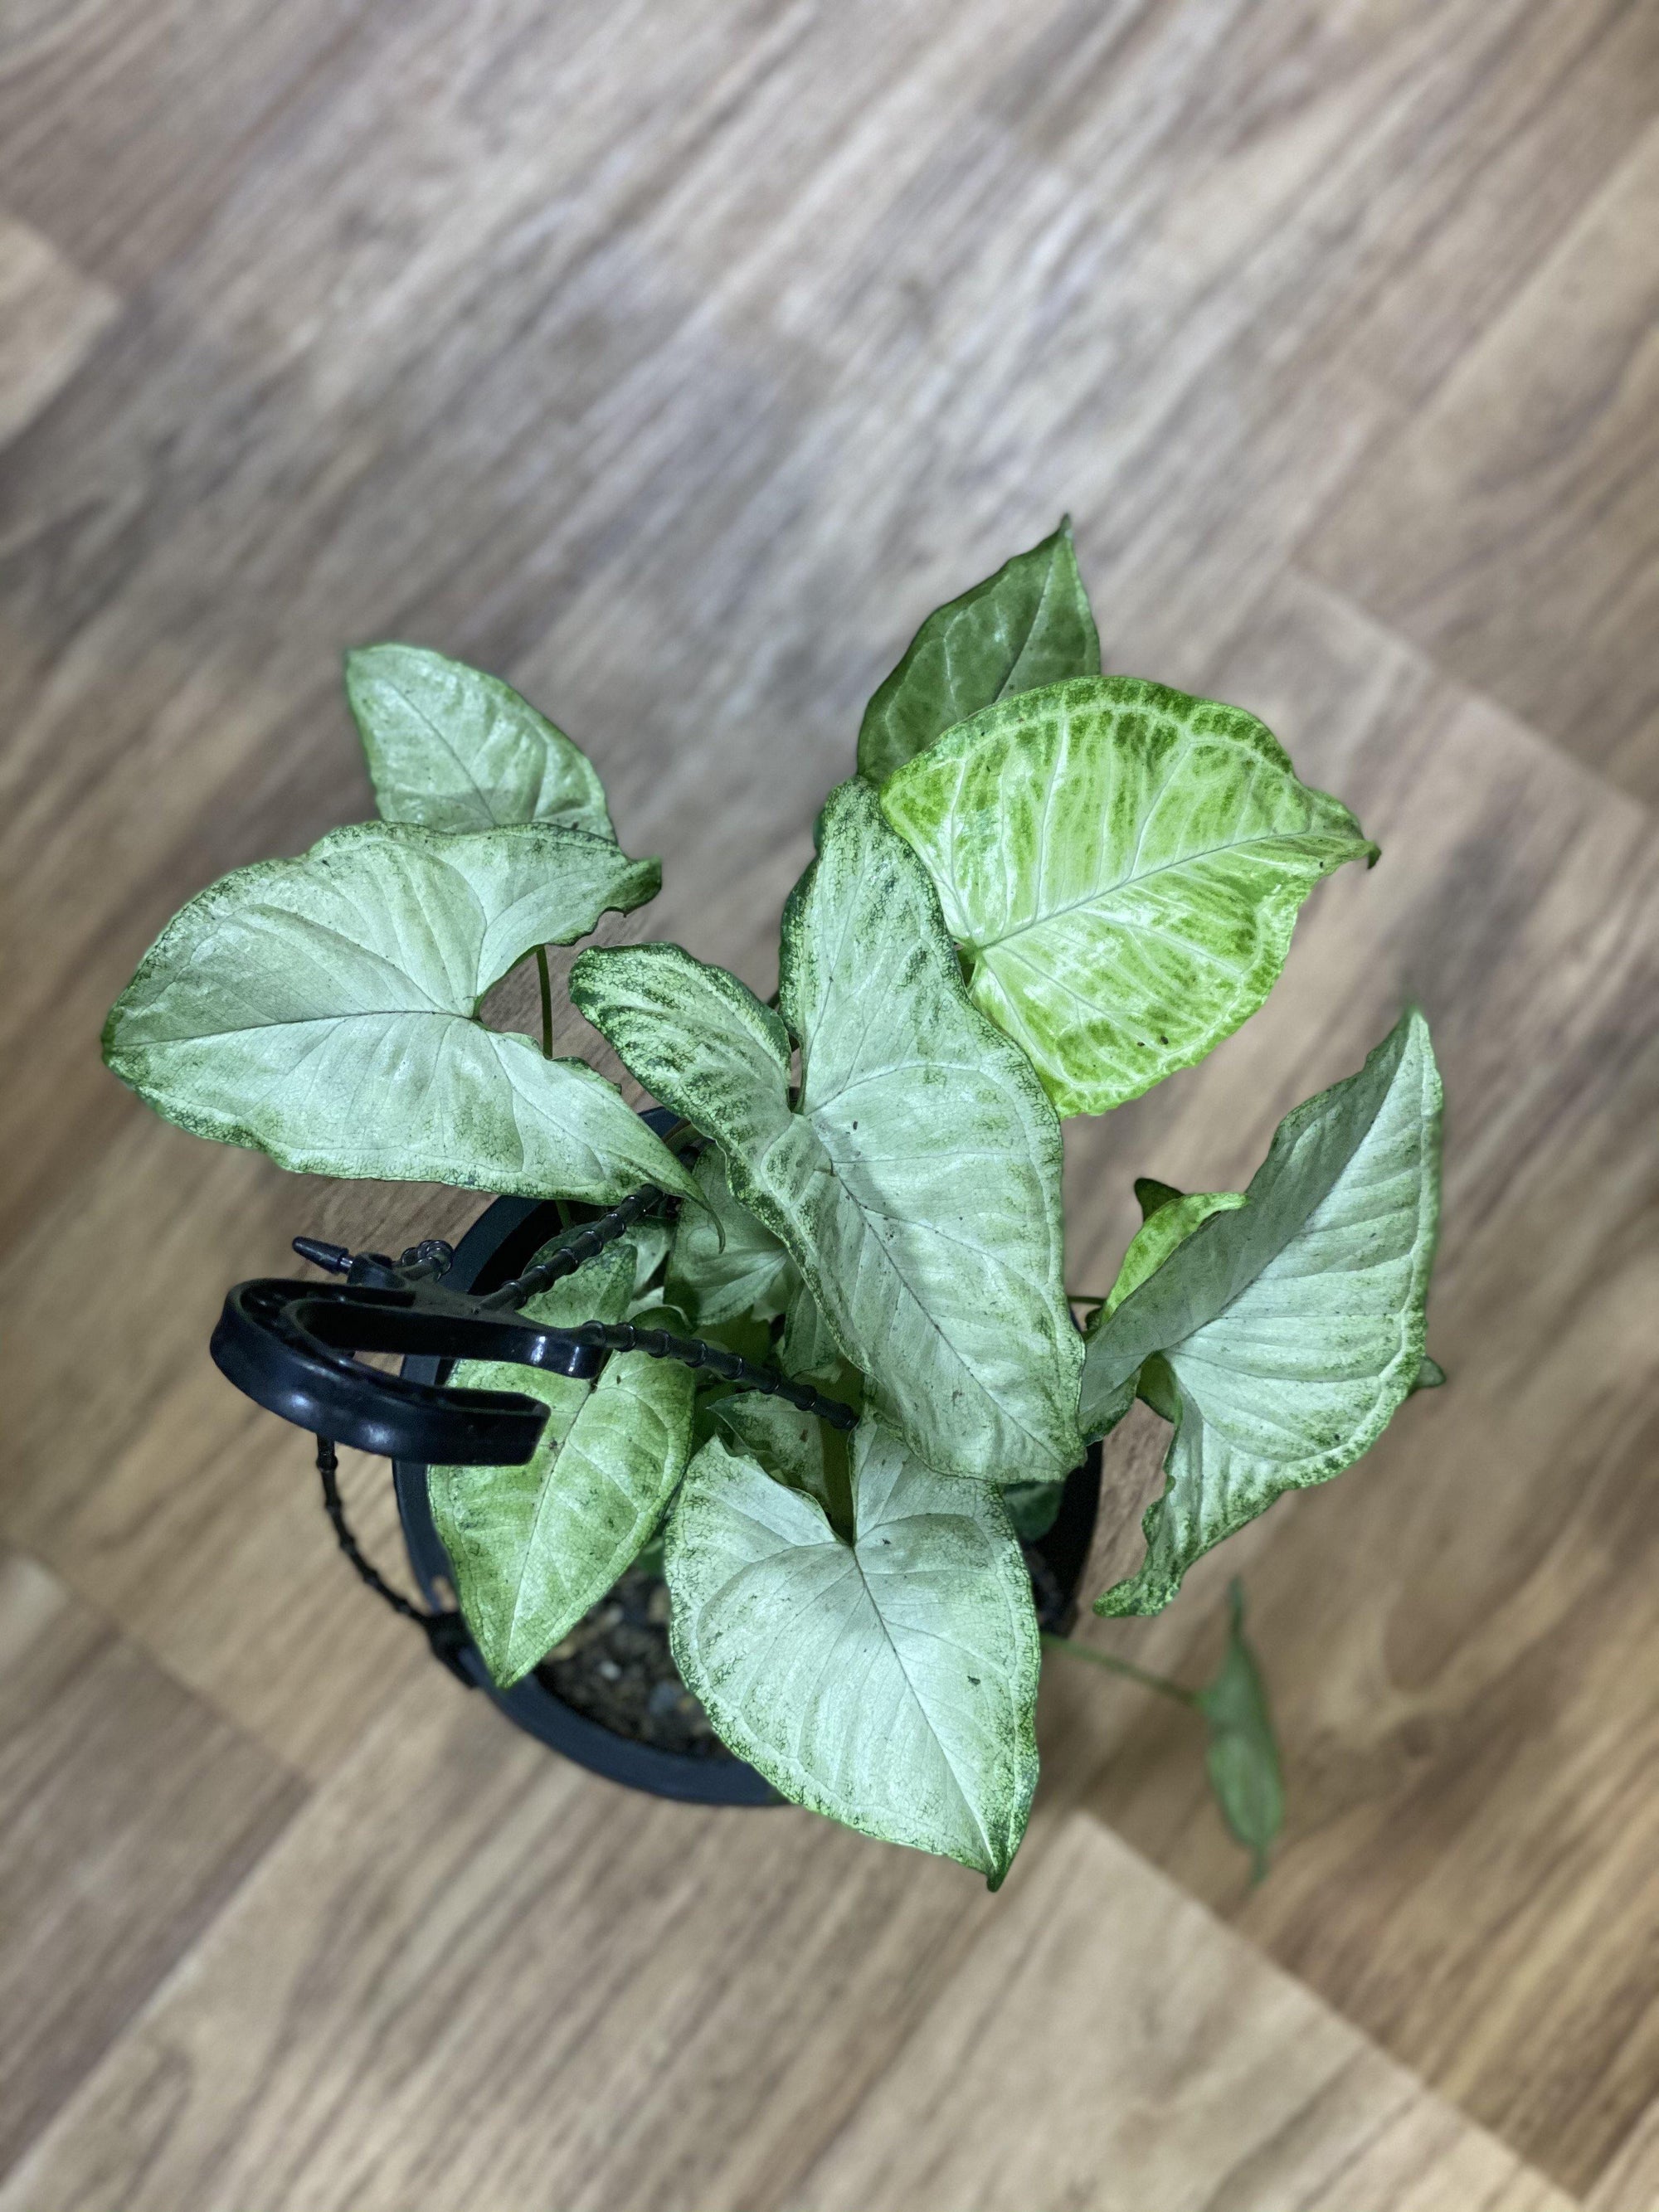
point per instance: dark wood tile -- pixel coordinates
(50, 317)
(468, 1961)
(1458, 1632)
(1512, 527)
(129, 1814)
(1107, 2043)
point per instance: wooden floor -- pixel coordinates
(673, 362)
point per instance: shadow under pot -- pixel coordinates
(608, 1696)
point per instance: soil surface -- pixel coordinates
(615, 1667)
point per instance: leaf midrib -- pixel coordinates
(1109, 891)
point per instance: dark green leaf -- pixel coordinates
(1027, 625)
(1242, 1757)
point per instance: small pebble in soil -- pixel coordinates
(615, 1667)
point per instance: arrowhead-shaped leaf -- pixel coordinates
(322, 1009)
(1282, 1336)
(711, 1280)
(533, 1547)
(1243, 1756)
(1028, 624)
(453, 749)
(1123, 865)
(916, 1180)
(889, 1683)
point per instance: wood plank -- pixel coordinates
(1371, 182)
(157, 1491)
(1461, 1632)
(128, 1814)
(598, 354)
(680, 411)
(121, 128)
(466, 1959)
(1631, 2183)
(1107, 2044)
(1510, 527)
(50, 317)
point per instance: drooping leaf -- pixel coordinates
(533, 1547)
(1281, 1337)
(453, 749)
(916, 1181)
(1243, 1755)
(1123, 865)
(1167, 1225)
(322, 1009)
(889, 1683)
(750, 1272)
(1028, 624)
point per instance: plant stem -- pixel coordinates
(547, 1002)
(1127, 1667)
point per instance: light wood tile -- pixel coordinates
(1631, 2183)
(156, 1490)
(467, 1959)
(51, 316)
(1109, 2047)
(1512, 528)
(1460, 1632)
(675, 372)
(128, 1814)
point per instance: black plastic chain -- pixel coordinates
(585, 1245)
(730, 1367)
(447, 1632)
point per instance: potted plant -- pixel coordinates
(822, 1351)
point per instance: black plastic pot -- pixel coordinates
(500, 1244)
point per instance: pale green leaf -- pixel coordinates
(453, 749)
(715, 1280)
(1028, 624)
(1282, 1336)
(916, 1180)
(1167, 1225)
(1241, 1758)
(1122, 866)
(889, 1683)
(322, 1010)
(532, 1547)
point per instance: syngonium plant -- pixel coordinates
(1044, 890)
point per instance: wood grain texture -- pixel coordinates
(1512, 527)
(674, 369)
(1452, 1630)
(173, 1503)
(128, 1813)
(1107, 2045)
(472, 1967)
(50, 319)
